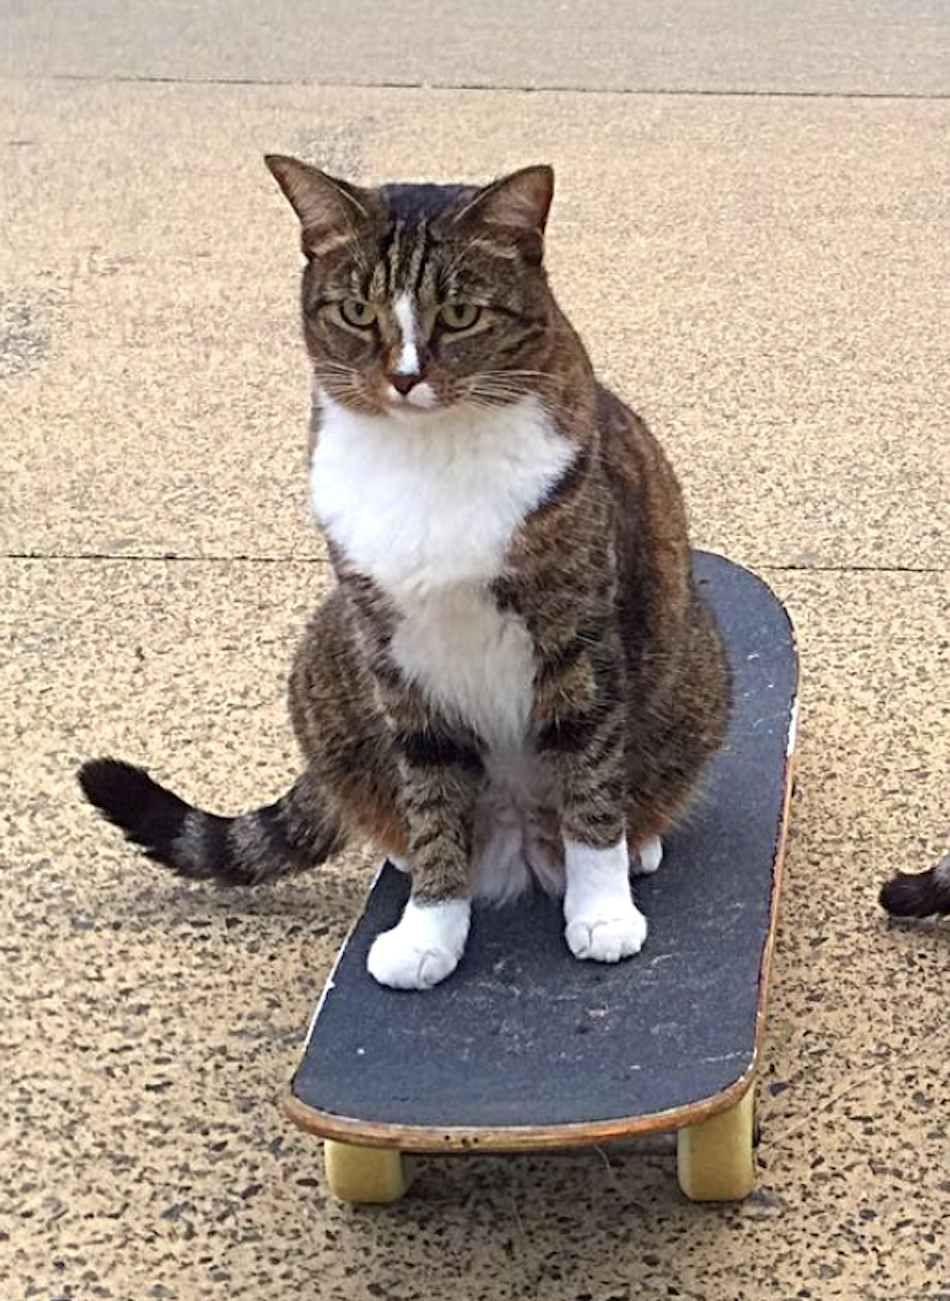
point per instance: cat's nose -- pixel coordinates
(405, 381)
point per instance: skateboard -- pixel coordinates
(525, 1048)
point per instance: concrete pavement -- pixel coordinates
(765, 276)
(862, 47)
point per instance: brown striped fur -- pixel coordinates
(631, 691)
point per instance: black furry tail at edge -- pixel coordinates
(286, 837)
(923, 894)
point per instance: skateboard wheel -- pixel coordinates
(714, 1159)
(374, 1175)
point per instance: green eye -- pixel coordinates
(459, 316)
(358, 313)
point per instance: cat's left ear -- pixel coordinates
(516, 206)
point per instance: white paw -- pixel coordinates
(409, 966)
(649, 857)
(424, 948)
(607, 939)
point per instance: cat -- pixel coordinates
(514, 677)
(919, 894)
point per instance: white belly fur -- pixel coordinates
(427, 506)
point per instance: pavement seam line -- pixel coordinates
(94, 556)
(171, 558)
(689, 92)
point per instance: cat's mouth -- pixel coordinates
(417, 401)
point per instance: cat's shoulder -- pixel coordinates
(630, 447)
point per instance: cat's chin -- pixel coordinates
(412, 414)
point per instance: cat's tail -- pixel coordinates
(288, 836)
(920, 894)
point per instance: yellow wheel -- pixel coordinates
(714, 1159)
(365, 1174)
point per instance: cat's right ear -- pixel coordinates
(330, 210)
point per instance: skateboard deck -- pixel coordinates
(527, 1048)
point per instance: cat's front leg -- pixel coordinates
(602, 923)
(581, 729)
(440, 775)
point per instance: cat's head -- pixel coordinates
(418, 298)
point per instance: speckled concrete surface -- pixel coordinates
(148, 1026)
(767, 279)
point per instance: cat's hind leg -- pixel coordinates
(646, 860)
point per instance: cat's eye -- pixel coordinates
(459, 316)
(357, 312)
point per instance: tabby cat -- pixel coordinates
(514, 676)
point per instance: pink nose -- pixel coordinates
(405, 382)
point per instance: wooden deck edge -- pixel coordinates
(508, 1138)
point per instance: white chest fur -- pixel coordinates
(427, 505)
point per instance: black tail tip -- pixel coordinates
(914, 895)
(114, 786)
(149, 815)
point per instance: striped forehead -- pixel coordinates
(404, 264)
(407, 256)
